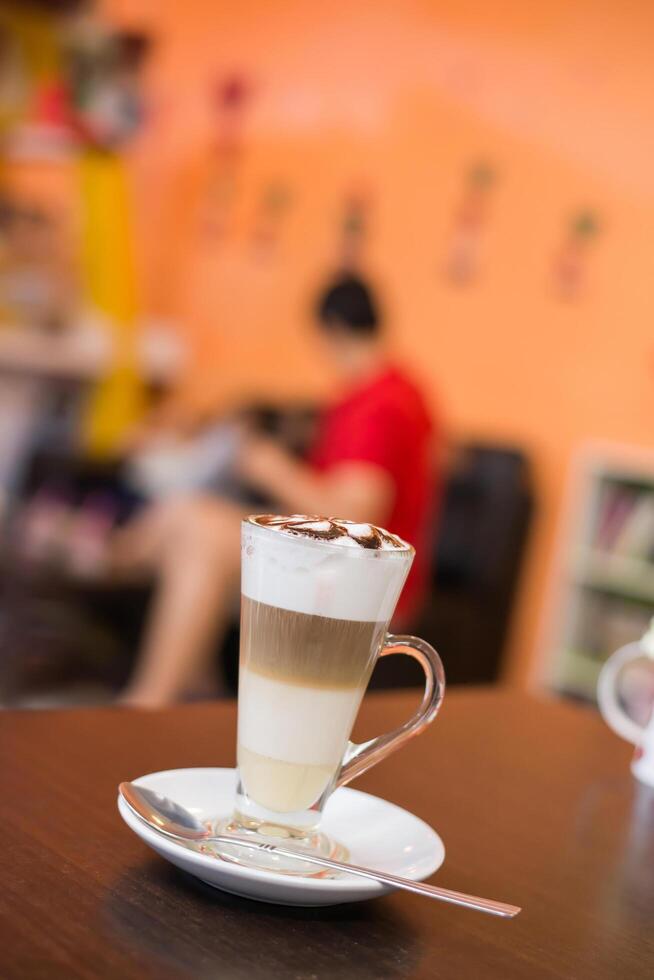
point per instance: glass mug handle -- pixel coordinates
(359, 758)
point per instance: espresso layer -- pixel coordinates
(297, 648)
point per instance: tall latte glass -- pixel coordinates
(317, 598)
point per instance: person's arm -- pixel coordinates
(355, 491)
(170, 420)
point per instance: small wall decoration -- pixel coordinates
(103, 69)
(274, 203)
(355, 226)
(229, 99)
(570, 268)
(470, 219)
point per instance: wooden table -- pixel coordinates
(533, 799)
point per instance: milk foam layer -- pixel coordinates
(308, 574)
(295, 723)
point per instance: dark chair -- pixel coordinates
(478, 550)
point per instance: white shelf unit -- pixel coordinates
(601, 592)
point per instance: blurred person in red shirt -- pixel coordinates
(373, 460)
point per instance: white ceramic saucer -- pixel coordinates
(376, 833)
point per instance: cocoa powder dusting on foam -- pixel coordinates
(367, 536)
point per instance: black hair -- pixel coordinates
(349, 304)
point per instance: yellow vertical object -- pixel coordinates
(109, 279)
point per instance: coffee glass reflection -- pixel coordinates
(317, 596)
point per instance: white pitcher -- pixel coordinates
(642, 736)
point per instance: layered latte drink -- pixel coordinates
(317, 596)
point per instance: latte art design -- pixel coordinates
(333, 530)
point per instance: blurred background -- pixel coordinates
(177, 181)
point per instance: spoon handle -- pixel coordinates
(487, 905)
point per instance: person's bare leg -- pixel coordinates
(194, 547)
(135, 550)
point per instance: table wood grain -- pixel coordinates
(533, 799)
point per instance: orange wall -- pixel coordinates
(558, 96)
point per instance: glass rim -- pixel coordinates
(408, 551)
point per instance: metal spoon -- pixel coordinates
(174, 821)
